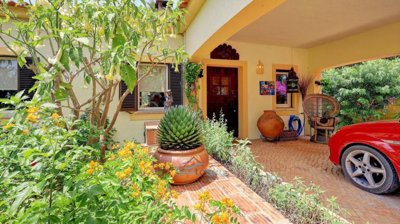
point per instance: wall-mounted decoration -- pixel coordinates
(224, 51)
(260, 68)
(267, 88)
(292, 82)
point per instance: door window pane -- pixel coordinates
(153, 86)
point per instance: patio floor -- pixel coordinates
(221, 183)
(309, 161)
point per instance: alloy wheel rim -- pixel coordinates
(365, 169)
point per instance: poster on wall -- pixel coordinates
(267, 88)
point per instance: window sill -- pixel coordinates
(143, 115)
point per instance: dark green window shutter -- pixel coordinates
(26, 81)
(131, 101)
(175, 84)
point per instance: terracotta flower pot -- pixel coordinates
(190, 164)
(270, 125)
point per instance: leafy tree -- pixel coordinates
(363, 90)
(100, 42)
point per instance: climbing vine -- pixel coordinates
(191, 75)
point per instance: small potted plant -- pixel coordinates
(179, 139)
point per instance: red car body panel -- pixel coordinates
(373, 134)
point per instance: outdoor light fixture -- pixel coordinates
(259, 68)
(292, 81)
(200, 74)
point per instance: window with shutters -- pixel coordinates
(14, 78)
(149, 94)
(153, 86)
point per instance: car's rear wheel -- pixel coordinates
(369, 170)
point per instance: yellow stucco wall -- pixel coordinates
(218, 20)
(254, 104)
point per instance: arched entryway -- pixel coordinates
(224, 88)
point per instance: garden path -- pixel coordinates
(309, 161)
(222, 183)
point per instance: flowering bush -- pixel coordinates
(216, 212)
(46, 176)
(129, 187)
(39, 158)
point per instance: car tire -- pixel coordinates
(369, 170)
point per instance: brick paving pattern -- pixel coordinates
(221, 183)
(310, 161)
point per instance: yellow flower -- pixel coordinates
(145, 150)
(55, 116)
(33, 110)
(227, 202)
(135, 194)
(167, 166)
(161, 165)
(174, 194)
(130, 145)
(223, 217)
(215, 219)
(120, 175)
(128, 171)
(25, 132)
(172, 173)
(112, 157)
(205, 196)
(145, 167)
(136, 191)
(90, 171)
(8, 126)
(199, 207)
(124, 153)
(92, 164)
(32, 118)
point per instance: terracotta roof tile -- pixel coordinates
(15, 4)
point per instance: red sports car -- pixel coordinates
(369, 154)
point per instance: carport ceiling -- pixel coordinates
(307, 23)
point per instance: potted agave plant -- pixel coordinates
(179, 139)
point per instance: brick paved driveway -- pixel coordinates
(310, 161)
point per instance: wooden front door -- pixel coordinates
(222, 95)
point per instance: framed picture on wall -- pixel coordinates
(267, 88)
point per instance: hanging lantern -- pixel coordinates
(292, 82)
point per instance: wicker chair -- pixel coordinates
(321, 111)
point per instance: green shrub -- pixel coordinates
(216, 139)
(89, 134)
(303, 203)
(363, 90)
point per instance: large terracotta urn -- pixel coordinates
(190, 164)
(270, 125)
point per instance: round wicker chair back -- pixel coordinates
(320, 105)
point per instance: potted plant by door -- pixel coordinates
(179, 139)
